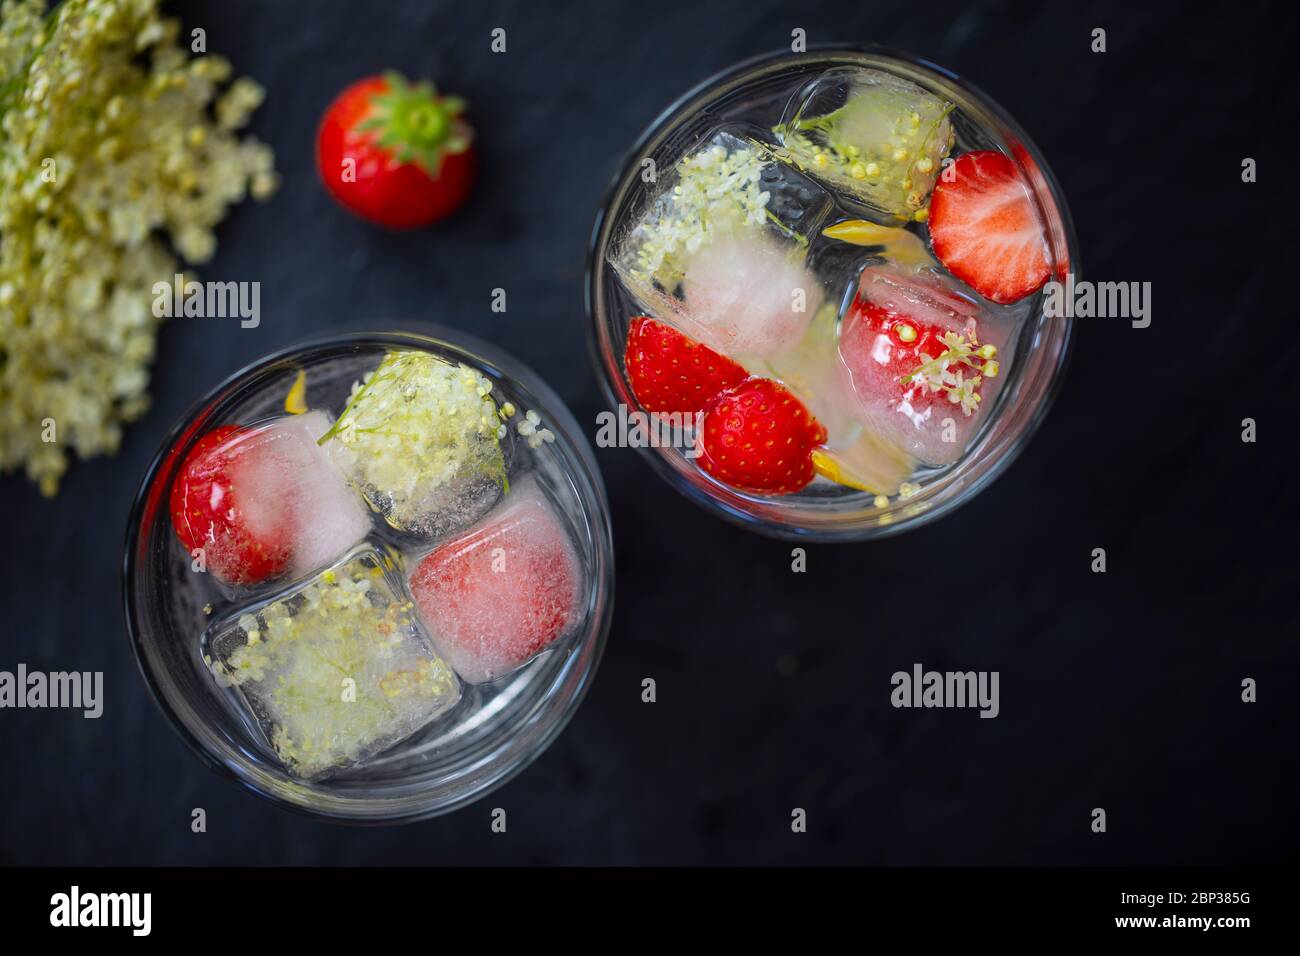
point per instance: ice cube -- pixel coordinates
(337, 669)
(721, 250)
(876, 136)
(421, 439)
(263, 500)
(747, 296)
(286, 480)
(497, 595)
(920, 358)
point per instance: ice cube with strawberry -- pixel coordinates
(499, 594)
(263, 501)
(922, 361)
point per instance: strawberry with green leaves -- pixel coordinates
(400, 155)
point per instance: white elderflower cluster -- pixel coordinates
(529, 428)
(947, 372)
(416, 432)
(717, 190)
(109, 160)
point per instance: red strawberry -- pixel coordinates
(672, 373)
(206, 513)
(758, 437)
(399, 155)
(985, 228)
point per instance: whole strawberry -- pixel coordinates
(670, 372)
(397, 154)
(758, 437)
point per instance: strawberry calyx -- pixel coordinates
(416, 125)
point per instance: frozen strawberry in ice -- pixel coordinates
(211, 518)
(921, 362)
(265, 500)
(497, 595)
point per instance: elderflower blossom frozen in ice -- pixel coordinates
(420, 438)
(338, 670)
(109, 159)
(886, 144)
(717, 189)
(529, 429)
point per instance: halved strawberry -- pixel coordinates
(985, 229)
(669, 372)
(207, 513)
(758, 437)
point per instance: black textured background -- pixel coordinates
(1118, 690)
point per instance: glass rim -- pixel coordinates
(605, 361)
(402, 809)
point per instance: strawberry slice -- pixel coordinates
(669, 372)
(985, 229)
(758, 437)
(207, 513)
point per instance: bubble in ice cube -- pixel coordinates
(721, 250)
(337, 669)
(922, 360)
(497, 595)
(880, 138)
(421, 438)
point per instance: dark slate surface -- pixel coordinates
(1118, 690)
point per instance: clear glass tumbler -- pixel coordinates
(746, 103)
(498, 723)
